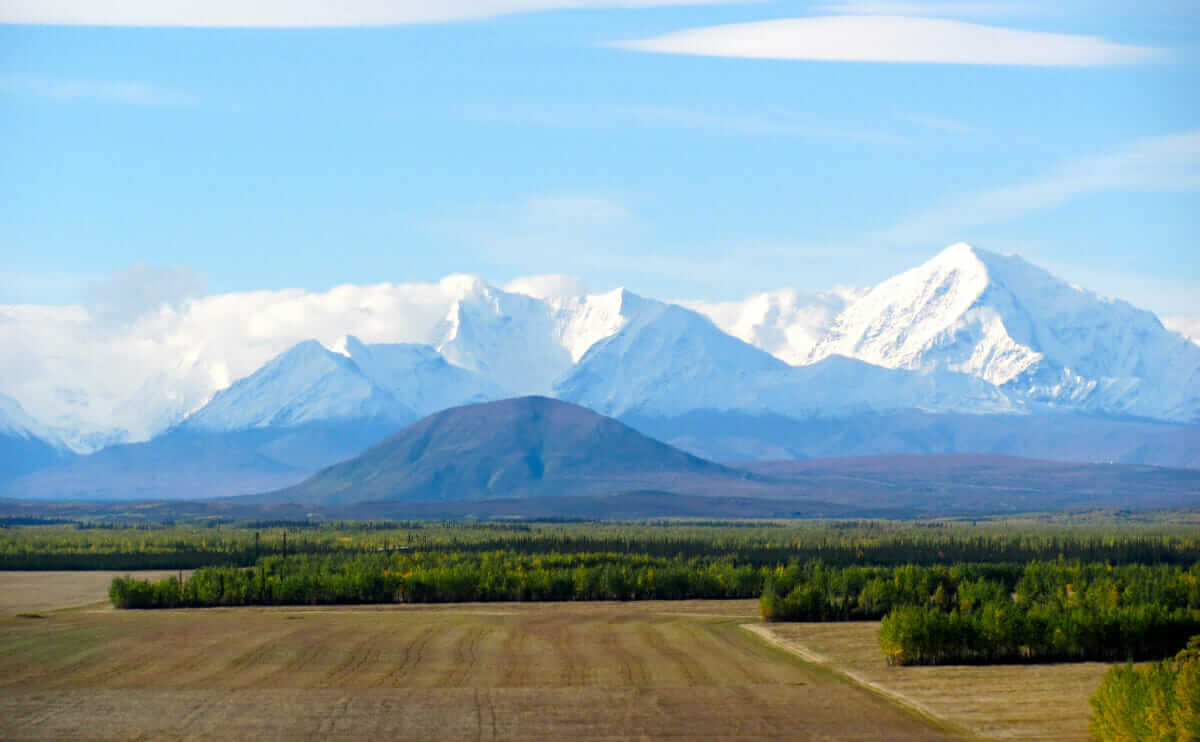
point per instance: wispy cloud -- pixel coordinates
(1166, 163)
(1168, 296)
(933, 8)
(114, 91)
(766, 122)
(564, 230)
(876, 38)
(289, 13)
(937, 123)
(139, 289)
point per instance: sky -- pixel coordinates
(158, 149)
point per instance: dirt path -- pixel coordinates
(1034, 703)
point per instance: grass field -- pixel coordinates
(1009, 702)
(583, 671)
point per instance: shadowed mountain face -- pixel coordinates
(185, 465)
(530, 446)
(21, 455)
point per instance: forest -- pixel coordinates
(1168, 539)
(1028, 590)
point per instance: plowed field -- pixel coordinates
(575, 671)
(1042, 703)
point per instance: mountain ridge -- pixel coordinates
(970, 350)
(519, 456)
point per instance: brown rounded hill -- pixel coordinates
(523, 447)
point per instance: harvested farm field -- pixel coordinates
(1005, 702)
(30, 592)
(583, 671)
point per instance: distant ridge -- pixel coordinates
(522, 447)
(539, 457)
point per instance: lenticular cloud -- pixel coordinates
(894, 39)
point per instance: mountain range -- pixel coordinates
(968, 352)
(25, 445)
(541, 457)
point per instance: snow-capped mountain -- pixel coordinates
(25, 444)
(417, 375)
(508, 338)
(1031, 334)
(669, 361)
(969, 333)
(787, 323)
(519, 342)
(307, 384)
(15, 422)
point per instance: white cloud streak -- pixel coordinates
(548, 286)
(130, 92)
(289, 13)
(764, 122)
(943, 9)
(875, 38)
(1166, 163)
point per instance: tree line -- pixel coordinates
(991, 613)
(766, 544)
(1054, 612)
(438, 577)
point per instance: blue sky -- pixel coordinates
(626, 145)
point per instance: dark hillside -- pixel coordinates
(525, 447)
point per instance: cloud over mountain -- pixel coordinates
(970, 330)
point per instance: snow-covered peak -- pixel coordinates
(1014, 325)
(668, 360)
(306, 384)
(786, 323)
(463, 285)
(418, 376)
(15, 422)
(584, 321)
(505, 337)
(895, 323)
(963, 254)
(524, 344)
